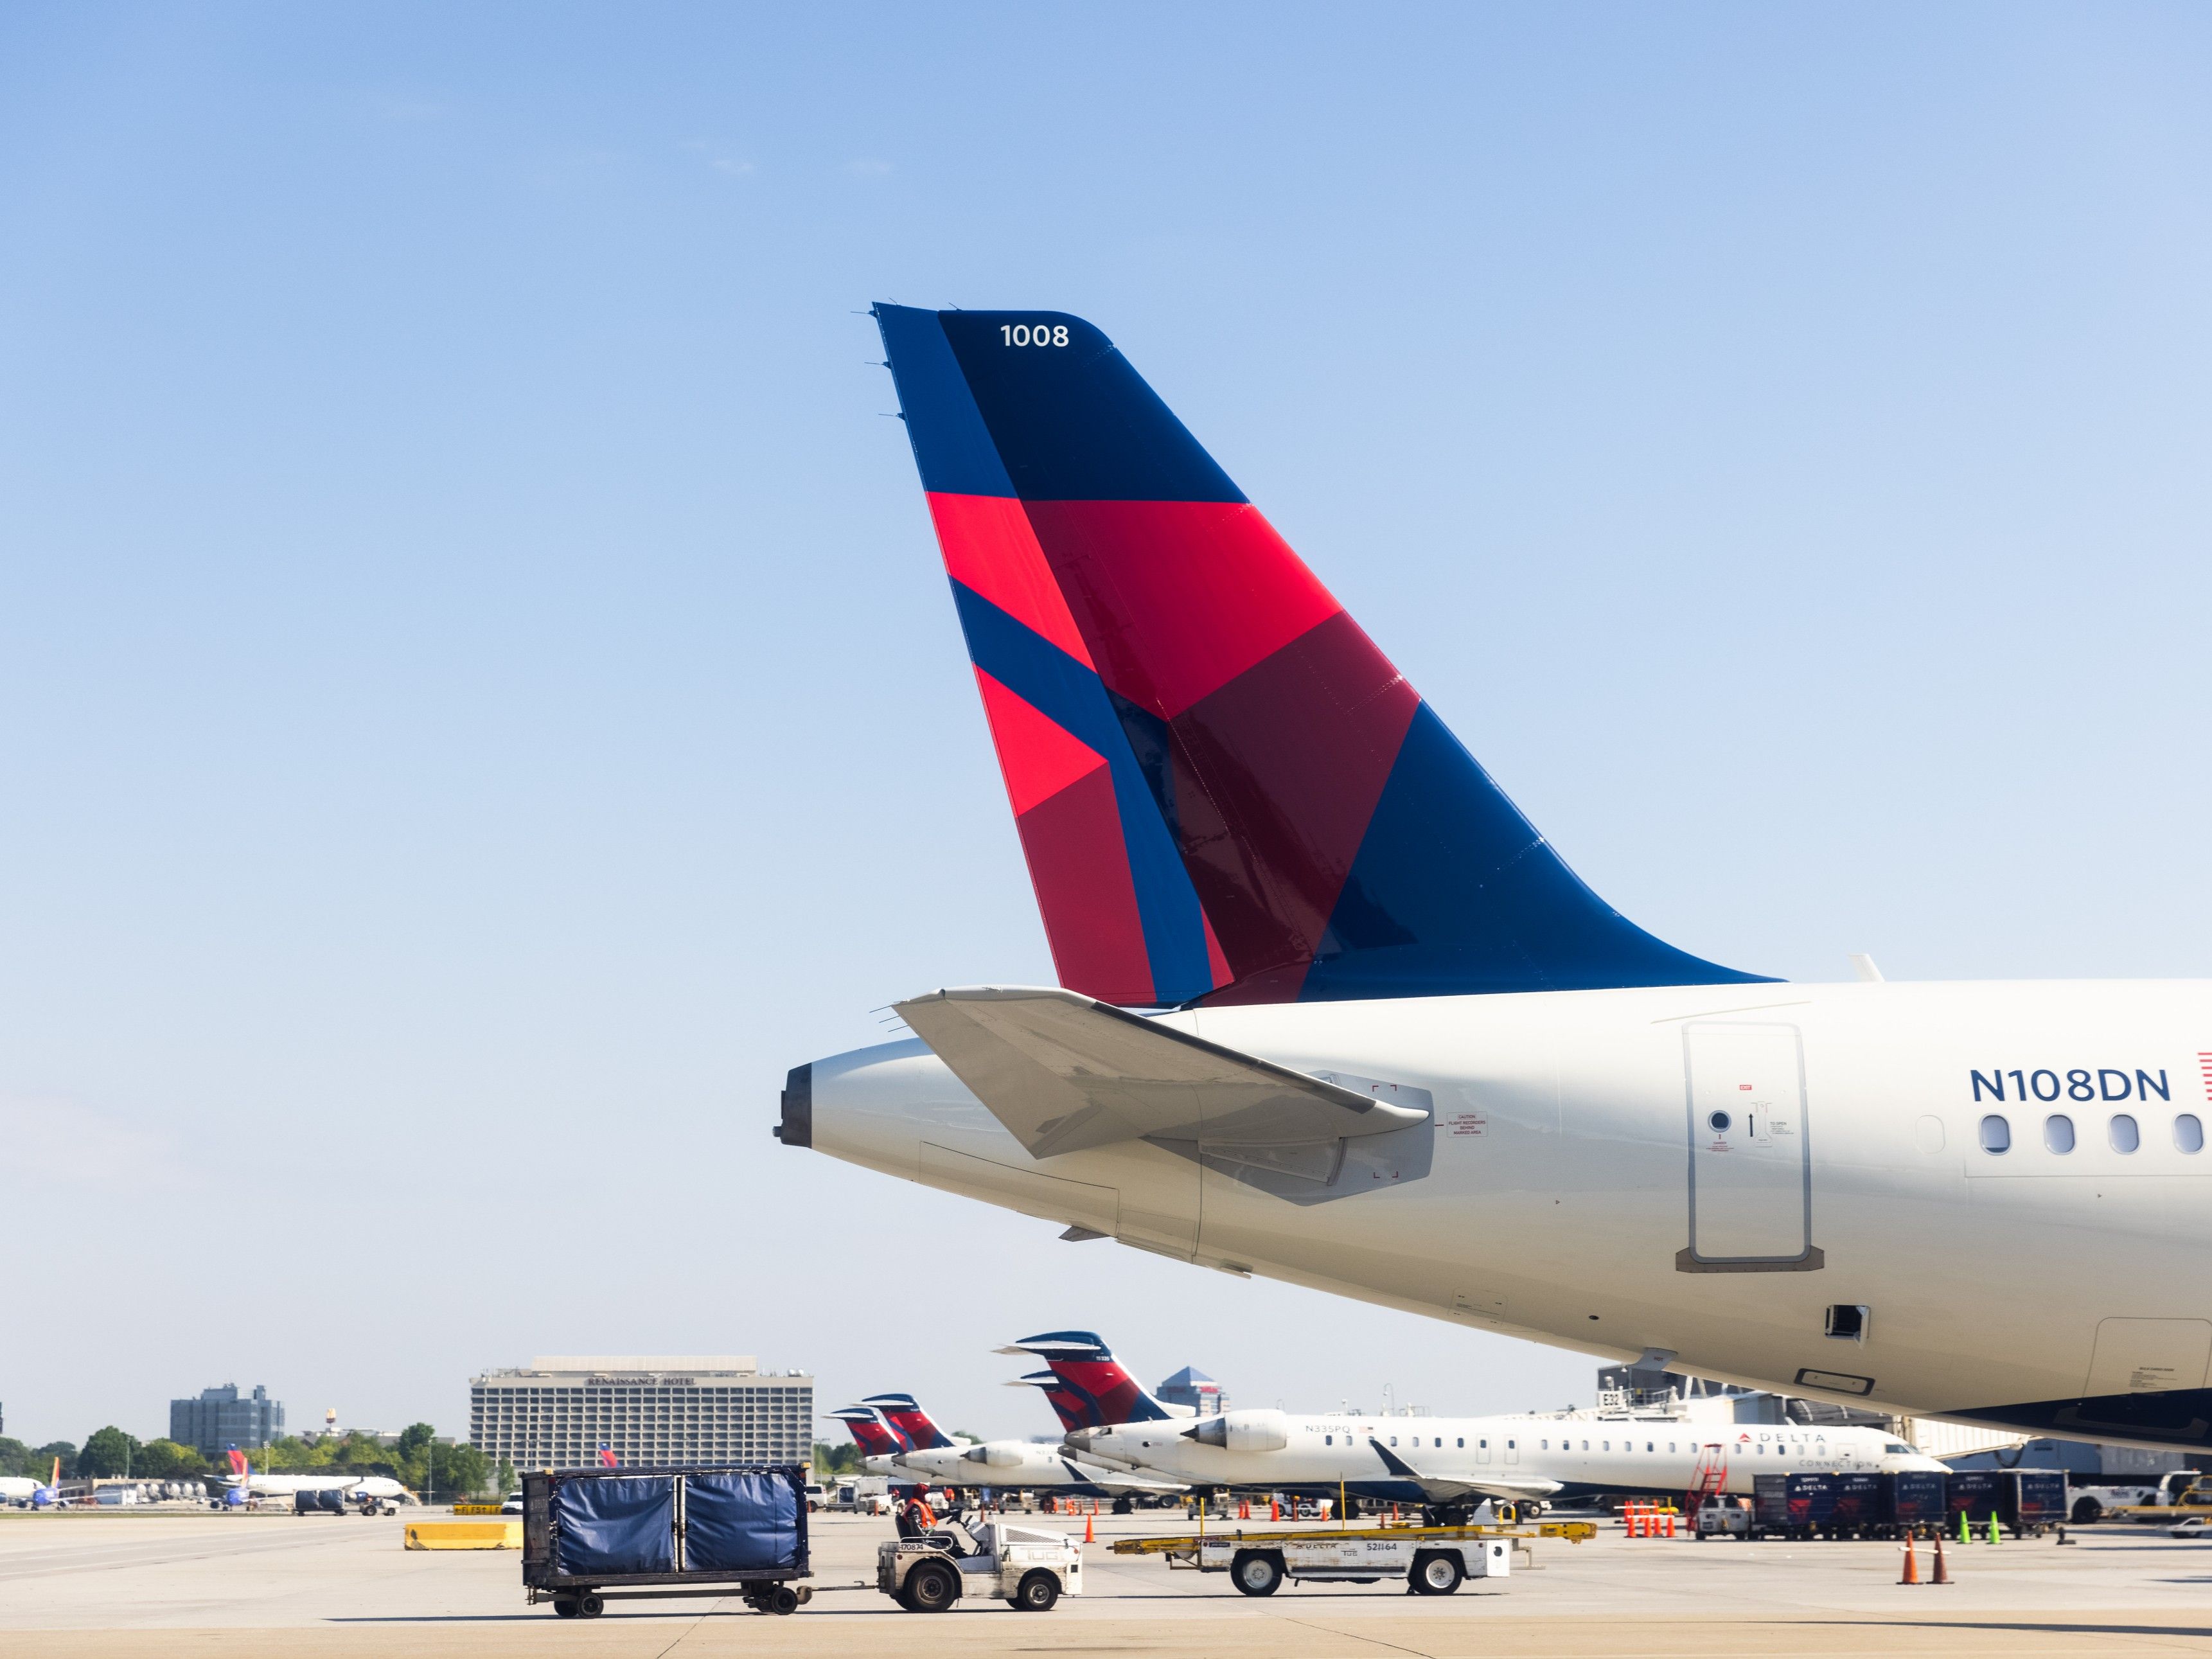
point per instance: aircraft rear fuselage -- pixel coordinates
(1723, 1174)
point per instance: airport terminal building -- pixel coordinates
(560, 1410)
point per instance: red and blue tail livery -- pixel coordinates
(903, 1413)
(1224, 791)
(874, 1435)
(1093, 1389)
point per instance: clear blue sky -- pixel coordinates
(478, 699)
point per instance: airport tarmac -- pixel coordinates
(180, 1585)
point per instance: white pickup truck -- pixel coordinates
(1027, 1569)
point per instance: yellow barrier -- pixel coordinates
(464, 1535)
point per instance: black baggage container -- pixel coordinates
(328, 1501)
(1974, 1493)
(1864, 1503)
(2036, 1499)
(1917, 1499)
(1793, 1505)
(591, 1533)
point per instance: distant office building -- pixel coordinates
(1192, 1387)
(222, 1417)
(559, 1411)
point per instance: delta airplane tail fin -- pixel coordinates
(1071, 1409)
(1223, 790)
(1095, 1390)
(875, 1437)
(903, 1413)
(240, 1469)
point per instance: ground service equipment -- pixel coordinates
(2023, 1501)
(1028, 1569)
(590, 1535)
(1432, 1561)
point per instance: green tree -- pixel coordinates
(42, 1461)
(414, 1437)
(506, 1482)
(463, 1470)
(830, 1461)
(107, 1451)
(165, 1460)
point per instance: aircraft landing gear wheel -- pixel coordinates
(933, 1587)
(564, 1607)
(1256, 1572)
(1038, 1592)
(1437, 1573)
(591, 1607)
(1121, 1506)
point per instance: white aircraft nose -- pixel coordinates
(874, 1106)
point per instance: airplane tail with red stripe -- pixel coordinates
(1092, 1389)
(871, 1433)
(1223, 790)
(902, 1412)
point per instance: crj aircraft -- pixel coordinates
(1332, 1010)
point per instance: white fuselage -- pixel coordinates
(354, 1486)
(1505, 1457)
(1010, 1465)
(1573, 1187)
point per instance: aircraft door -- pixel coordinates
(1513, 1451)
(1751, 1159)
(1482, 1450)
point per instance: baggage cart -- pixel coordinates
(592, 1535)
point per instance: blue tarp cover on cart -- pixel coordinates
(614, 1525)
(740, 1519)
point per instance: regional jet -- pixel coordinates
(1331, 1010)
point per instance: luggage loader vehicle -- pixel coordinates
(1432, 1561)
(1028, 1569)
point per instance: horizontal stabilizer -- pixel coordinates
(1065, 1073)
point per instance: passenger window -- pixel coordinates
(1394, 1439)
(1585, 1445)
(1511, 1444)
(1996, 1133)
(1484, 1444)
(2189, 1132)
(1461, 1442)
(1328, 1440)
(2125, 1136)
(1647, 1446)
(2058, 1133)
(1440, 1440)
(1609, 1446)
(1670, 1446)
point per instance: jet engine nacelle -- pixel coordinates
(995, 1455)
(1242, 1432)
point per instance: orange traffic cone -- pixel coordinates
(1274, 1510)
(1943, 1572)
(1912, 1563)
(1089, 1536)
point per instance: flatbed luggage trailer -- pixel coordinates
(592, 1535)
(1432, 1561)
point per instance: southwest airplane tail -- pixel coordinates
(1394, 1049)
